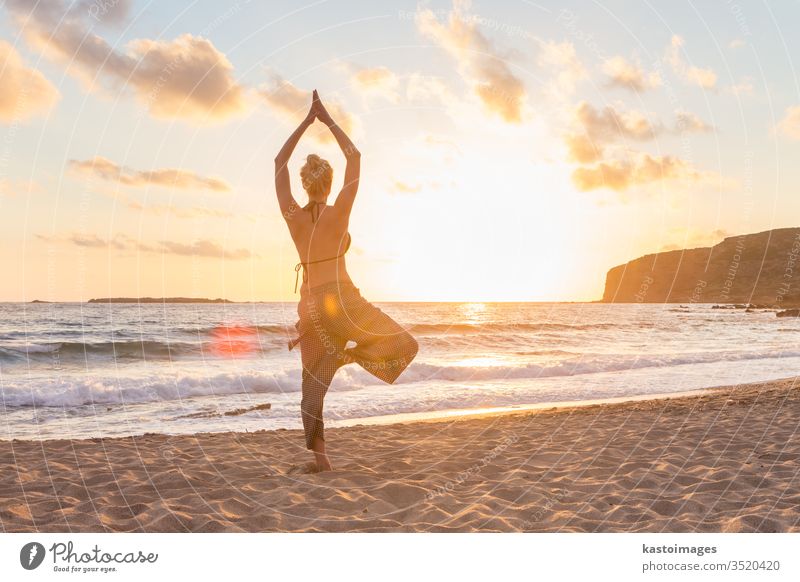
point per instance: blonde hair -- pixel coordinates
(317, 175)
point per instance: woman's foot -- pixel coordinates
(323, 462)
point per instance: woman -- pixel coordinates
(331, 309)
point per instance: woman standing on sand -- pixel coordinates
(331, 309)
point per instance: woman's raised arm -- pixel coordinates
(283, 186)
(352, 172)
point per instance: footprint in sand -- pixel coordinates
(303, 469)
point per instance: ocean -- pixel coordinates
(79, 370)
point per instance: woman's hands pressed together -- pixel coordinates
(319, 111)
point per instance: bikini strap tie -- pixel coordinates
(304, 266)
(297, 268)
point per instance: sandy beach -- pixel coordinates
(722, 461)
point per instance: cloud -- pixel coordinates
(25, 92)
(736, 43)
(582, 149)
(178, 211)
(687, 122)
(428, 88)
(499, 90)
(743, 87)
(186, 78)
(199, 248)
(400, 187)
(609, 125)
(293, 103)
(642, 169)
(605, 163)
(705, 78)
(696, 239)
(563, 58)
(93, 241)
(627, 75)
(599, 128)
(14, 188)
(105, 169)
(376, 81)
(790, 124)
(111, 12)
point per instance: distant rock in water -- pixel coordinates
(158, 300)
(761, 268)
(789, 313)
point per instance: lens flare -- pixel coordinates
(233, 341)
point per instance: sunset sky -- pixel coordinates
(510, 150)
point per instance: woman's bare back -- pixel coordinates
(321, 239)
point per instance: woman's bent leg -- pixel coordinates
(385, 357)
(383, 347)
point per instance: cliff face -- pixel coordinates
(751, 268)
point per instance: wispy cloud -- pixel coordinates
(292, 103)
(501, 92)
(24, 92)
(627, 75)
(687, 122)
(562, 58)
(185, 78)
(743, 88)
(400, 187)
(426, 88)
(639, 169)
(705, 78)
(105, 169)
(190, 212)
(15, 188)
(583, 149)
(121, 242)
(609, 124)
(790, 124)
(375, 81)
(201, 248)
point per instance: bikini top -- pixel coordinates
(313, 208)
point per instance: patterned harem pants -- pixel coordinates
(330, 316)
